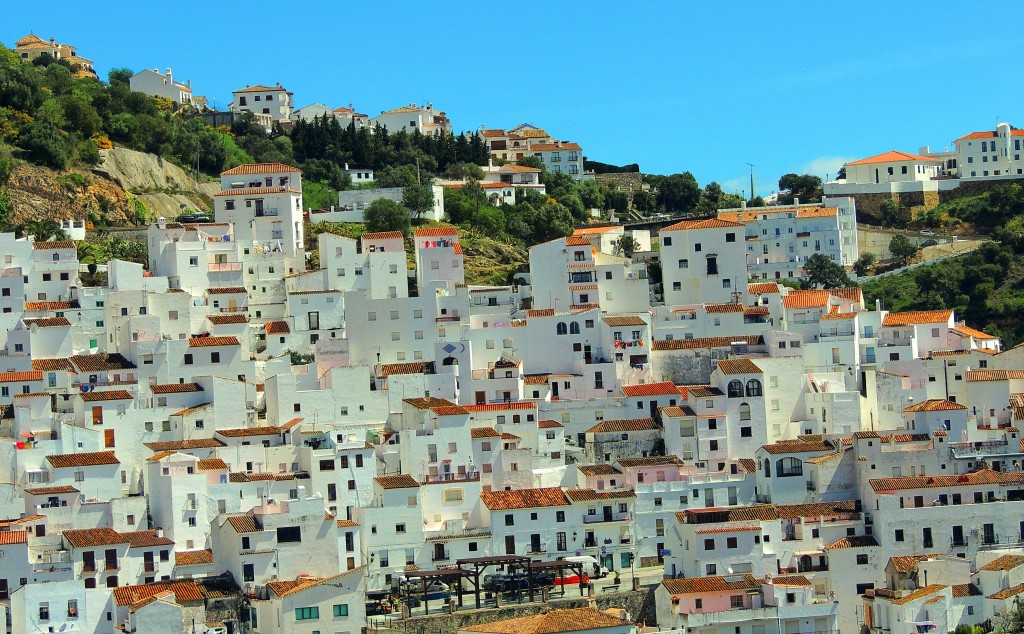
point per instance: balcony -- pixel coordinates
(224, 267)
(439, 557)
(960, 542)
(277, 235)
(473, 476)
(266, 212)
(599, 518)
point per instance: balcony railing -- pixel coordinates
(614, 517)
(225, 266)
(266, 212)
(958, 542)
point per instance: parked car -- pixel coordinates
(927, 232)
(187, 218)
(929, 243)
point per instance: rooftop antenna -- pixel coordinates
(752, 166)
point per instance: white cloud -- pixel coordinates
(824, 165)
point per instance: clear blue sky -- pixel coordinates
(705, 87)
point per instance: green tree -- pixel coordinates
(44, 230)
(418, 199)
(47, 145)
(464, 171)
(679, 193)
(643, 200)
(822, 272)
(806, 187)
(531, 161)
(902, 248)
(626, 246)
(386, 215)
(891, 213)
(863, 264)
(619, 201)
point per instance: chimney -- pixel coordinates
(743, 204)
(168, 74)
(796, 201)
(161, 222)
(159, 532)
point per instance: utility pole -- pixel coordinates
(752, 194)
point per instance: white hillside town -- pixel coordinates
(240, 438)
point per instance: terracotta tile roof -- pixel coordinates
(553, 622)
(440, 406)
(698, 585)
(146, 539)
(649, 461)
(523, 498)
(206, 342)
(400, 481)
(934, 405)
(919, 594)
(415, 367)
(623, 425)
(192, 410)
(51, 490)
(547, 147)
(994, 375)
(893, 156)
(51, 246)
(278, 327)
(984, 476)
(962, 590)
(436, 232)
(628, 320)
(1008, 593)
(224, 320)
(989, 134)
(9, 538)
(211, 464)
(854, 541)
(651, 389)
(177, 445)
(806, 299)
(907, 563)
(536, 379)
(185, 591)
(346, 524)
(48, 322)
(259, 168)
(245, 523)
(676, 411)
(101, 362)
(540, 312)
(590, 495)
(242, 432)
(111, 395)
(193, 557)
(175, 388)
(225, 290)
(709, 223)
(705, 342)
(738, 366)
(53, 365)
(748, 465)
(756, 310)
(726, 529)
(916, 317)
(383, 235)
(492, 133)
(717, 309)
(83, 459)
(585, 231)
(825, 458)
(484, 432)
(763, 288)
(797, 446)
(21, 377)
(1004, 563)
(597, 469)
(90, 537)
(971, 332)
(795, 581)
(549, 424)
(837, 316)
(577, 241)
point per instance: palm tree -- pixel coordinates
(88, 254)
(43, 230)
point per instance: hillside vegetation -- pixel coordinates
(985, 287)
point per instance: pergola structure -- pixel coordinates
(447, 575)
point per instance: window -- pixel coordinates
(341, 609)
(44, 611)
(307, 614)
(753, 387)
(188, 359)
(288, 534)
(710, 569)
(731, 542)
(898, 536)
(736, 601)
(789, 467)
(709, 544)
(684, 264)
(735, 389)
(862, 560)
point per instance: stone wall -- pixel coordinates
(640, 606)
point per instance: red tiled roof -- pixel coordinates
(92, 459)
(9, 538)
(53, 365)
(484, 432)
(242, 432)
(177, 445)
(244, 523)
(698, 585)
(553, 622)
(146, 539)
(934, 405)
(21, 377)
(795, 581)
(984, 476)
(627, 320)
(719, 309)
(650, 389)
(971, 332)
(48, 322)
(112, 395)
(649, 461)
(893, 156)
(624, 425)
(523, 498)
(175, 388)
(185, 591)
(598, 469)
(206, 342)
(738, 366)
(211, 464)
(917, 317)
(763, 288)
(278, 327)
(90, 537)
(1008, 592)
(383, 235)
(989, 134)
(51, 490)
(501, 407)
(549, 424)
(705, 342)
(1004, 563)
(919, 594)
(259, 168)
(225, 290)
(399, 481)
(993, 375)
(224, 320)
(436, 232)
(710, 223)
(797, 446)
(854, 541)
(193, 557)
(577, 241)
(50, 246)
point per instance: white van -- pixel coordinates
(591, 566)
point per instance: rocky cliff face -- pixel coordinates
(164, 188)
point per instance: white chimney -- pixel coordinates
(168, 74)
(796, 201)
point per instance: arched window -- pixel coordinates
(789, 467)
(753, 387)
(744, 411)
(735, 389)
(574, 328)
(560, 329)
(767, 468)
(450, 361)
